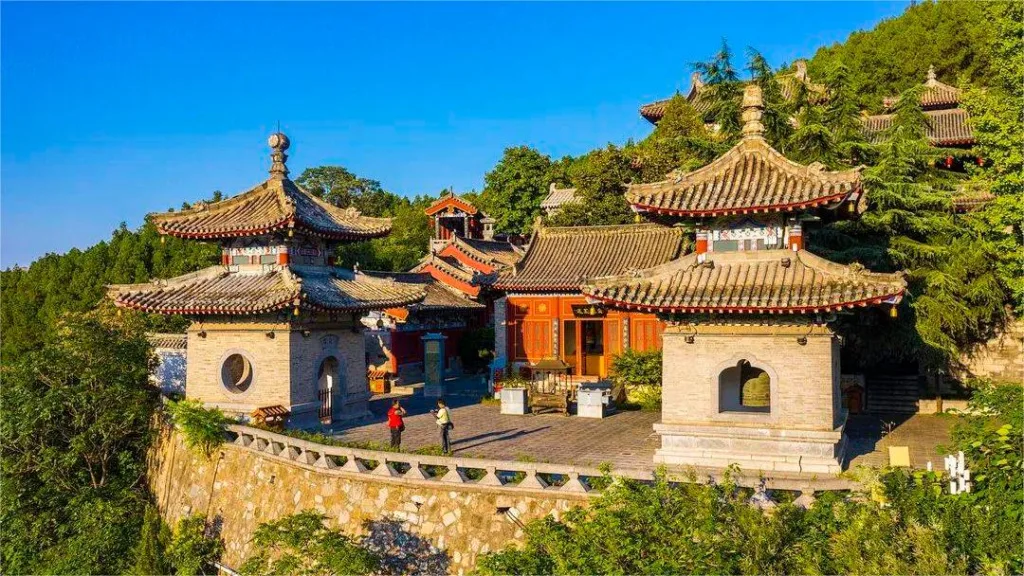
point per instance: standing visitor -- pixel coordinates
(444, 421)
(396, 423)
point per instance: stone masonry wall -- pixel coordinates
(269, 357)
(804, 376)
(1002, 358)
(446, 528)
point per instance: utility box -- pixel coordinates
(513, 401)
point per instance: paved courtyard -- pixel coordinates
(625, 439)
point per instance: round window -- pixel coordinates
(236, 373)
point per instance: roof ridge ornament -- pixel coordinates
(278, 143)
(931, 74)
(753, 109)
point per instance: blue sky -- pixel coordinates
(112, 110)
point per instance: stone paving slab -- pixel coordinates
(625, 439)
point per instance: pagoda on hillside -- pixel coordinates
(276, 324)
(751, 368)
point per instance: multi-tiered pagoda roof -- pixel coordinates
(280, 218)
(946, 123)
(759, 281)
(752, 177)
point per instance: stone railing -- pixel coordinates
(503, 475)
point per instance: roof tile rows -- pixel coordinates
(943, 127)
(166, 341)
(751, 177)
(217, 290)
(772, 281)
(275, 204)
(438, 296)
(450, 200)
(563, 258)
(497, 254)
(558, 197)
(935, 95)
(789, 84)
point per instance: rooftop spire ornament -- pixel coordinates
(278, 143)
(753, 109)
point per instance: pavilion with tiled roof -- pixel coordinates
(947, 125)
(751, 372)
(789, 84)
(542, 311)
(276, 323)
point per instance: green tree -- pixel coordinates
(302, 544)
(74, 435)
(515, 187)
(953, 36)
(194, 549)
(723, 89)
(340, 187)
(151, 549)
(600, 178)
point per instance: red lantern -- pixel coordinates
(980, 161)
(949, 161)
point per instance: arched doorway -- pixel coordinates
(744, 388)
(327, 387)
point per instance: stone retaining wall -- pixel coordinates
(435, 529)
(425, 514)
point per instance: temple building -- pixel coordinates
(453, 217)
(276, 323)
(789, 82)
(948, 125)
(542, 312)
(556, 199)
(751, 368)
(455, 273)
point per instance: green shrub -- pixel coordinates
(204, 428)
(193, 550)
(302, 544)
(904, 522)
(151, 550)
(639, 374)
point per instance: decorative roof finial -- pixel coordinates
(931, 74)
(753, 108)
(278, 143)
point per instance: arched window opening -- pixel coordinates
(327, 387)
(744, 388)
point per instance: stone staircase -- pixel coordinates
(893, 394)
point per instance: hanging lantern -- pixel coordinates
(893, 312)
(295, 311)
(949, 161)
(980, 161)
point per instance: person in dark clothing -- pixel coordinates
(396, 423)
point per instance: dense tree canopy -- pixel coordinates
(75, 430)
(954, 36)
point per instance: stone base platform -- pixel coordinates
(752, 448)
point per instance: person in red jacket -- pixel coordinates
(396, 424)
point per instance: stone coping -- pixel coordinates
(549, 479)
